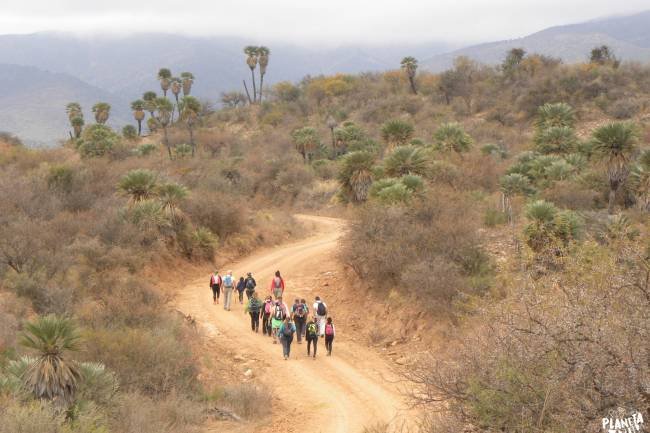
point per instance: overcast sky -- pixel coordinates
(311, 21)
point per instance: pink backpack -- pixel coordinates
(329, 329)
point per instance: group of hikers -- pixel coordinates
(278, 321)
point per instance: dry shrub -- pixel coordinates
(136, 413)
(216, 211)
(155, 362)
(248, 400)
(571, 195)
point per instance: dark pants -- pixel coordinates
(266, 324)
(255, 321)
(286, 345)
(329, 339)
(249, 294)
(215, 292)
(241, 296)
(300, 327)
(311, 340)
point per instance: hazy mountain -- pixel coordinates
(124, 67)
(32, 103)
(629, 36)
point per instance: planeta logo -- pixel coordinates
(622, 421)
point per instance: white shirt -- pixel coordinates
(316, 307)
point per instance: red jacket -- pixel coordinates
(214, 280)
(273, 284)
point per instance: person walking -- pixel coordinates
(299, 318)
(254, 309)
(228, 287)
(304, 328)
(330, 332)
(250, 285)
(241, 285)
(277, 285)
(320, 312)
(279, 314)
(287, 330)
(312, 336)
(215, 285)
(267, 310)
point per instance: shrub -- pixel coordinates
(406, 160)
(97, 140)
(556, 139)
(451, 137)
(397, 132)
(248, 400)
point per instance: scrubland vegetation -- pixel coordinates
(510, 202)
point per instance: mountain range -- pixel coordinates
(44, 71)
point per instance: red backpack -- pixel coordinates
(329, 329)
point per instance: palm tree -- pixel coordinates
(410, 66)
(263, 53)
(102, 111)
(406, 160)
(188, 80)
(251, 60)
(176, 85)
(540, 229)
(164, 76)
(306, 140)
(512, 185)
(556, 139)
(331, 124)
(396, 133)
(550, 115)
(140, 184)
(149, 101)
(451, 137)
(614, 144)
(73, 109)
(355, 175)
(190, 109)
(164, 110)
(170, 196)
(152, 124)
(77, 125)
(52, 376)
(138, 113)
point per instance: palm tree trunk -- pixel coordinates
(254, 88)
(333, 142)
(139, 127)
(192, 140)
(612, 201)
(169, 149)
(247, 94)
(178, 108)
(415, 91)
(261, 85)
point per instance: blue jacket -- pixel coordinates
(292, 328)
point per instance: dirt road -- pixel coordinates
(338, 394)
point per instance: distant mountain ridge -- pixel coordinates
(629, 36)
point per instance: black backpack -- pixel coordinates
(279, 312)
(300, 310)
(322, 309)
(250, 284)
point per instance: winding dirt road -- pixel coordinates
(338, 394)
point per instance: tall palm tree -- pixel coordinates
(263, 53)
(52, 376)
(164, 76)
(251, 60)
(171, 195)
(164, 109)
(512, 185)
(355, 175)
(331, 124)
(149, 99)
(102, 111)
(188, 80)
(306, 140)
(138, 113)
(176, 86)
(77, 125)
(190, 110)
(614, 144)
(73, 109)
(410, 66)
(139, 184)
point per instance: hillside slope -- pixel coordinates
(629, 36)
(32, 104)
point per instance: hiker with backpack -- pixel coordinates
(250, 285)
(304, 328)
(279, 314)
(330, 332)
(277, 285)
(254, 308)
(299, 312)
(320, 313)
(241, 285)
(267, 310)
(286, 332)
(215, 285)
(228, 283)
(312, 336)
